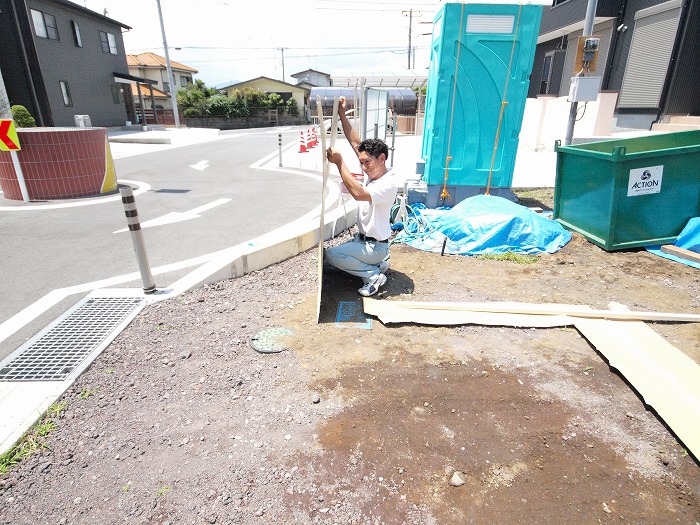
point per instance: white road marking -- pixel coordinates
(54, 297)
(201, 165)
(141, 187)
(177, 216)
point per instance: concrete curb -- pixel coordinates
(261, 252)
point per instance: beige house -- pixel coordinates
(161, 100)
(153, 67)
(269, 85)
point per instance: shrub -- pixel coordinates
(239, 108)
(192, 112)
(22, 117)
(274, 100)
(219, 106)
(292, 106)
(254, 98)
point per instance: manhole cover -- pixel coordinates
(269, 340)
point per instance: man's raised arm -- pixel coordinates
(350, 133)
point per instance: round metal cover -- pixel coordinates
(267, 341)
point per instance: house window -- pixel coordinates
(65, 91)
(44, 25)
(546, 73)
(109, 43)
(185, 80)
(76, 33)
(166, 86)
(115, 93)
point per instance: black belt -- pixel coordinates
(363, 237)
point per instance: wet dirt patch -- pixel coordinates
(412, 424)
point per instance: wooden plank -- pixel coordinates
(681, 253)
(666, 378)
(392, 312)
(540, 309)
(322, 216)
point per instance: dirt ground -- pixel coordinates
(180, 421)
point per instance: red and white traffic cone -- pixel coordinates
(302, 143)
(314, 138)
(309, 139)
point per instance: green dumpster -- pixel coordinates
(629, 193)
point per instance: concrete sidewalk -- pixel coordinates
(129, 142)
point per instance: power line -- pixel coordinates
(271, 57)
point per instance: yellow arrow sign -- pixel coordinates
(8, 136)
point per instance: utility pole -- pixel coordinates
(587, 31)
(282, 49)
(410, 30)
(171, 78)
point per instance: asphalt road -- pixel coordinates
(202, 198)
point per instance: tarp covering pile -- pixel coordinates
(689, 239)
(482, 225)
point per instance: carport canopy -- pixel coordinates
(125, 78)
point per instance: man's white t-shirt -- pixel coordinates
(373, 217)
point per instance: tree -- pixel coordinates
(195, 96)
(4, 102)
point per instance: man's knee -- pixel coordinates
(332, 256)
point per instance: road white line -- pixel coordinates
(201, 165)
(176, 216)
(205, 207)
(141, 187)
(54, 297)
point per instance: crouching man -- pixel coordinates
(366, 255)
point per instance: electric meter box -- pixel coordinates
(475, 101)
(584, 89)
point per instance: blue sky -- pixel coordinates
(235, 40)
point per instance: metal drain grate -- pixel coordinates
(59, 349)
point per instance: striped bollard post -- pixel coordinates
(279, 142)
(132, 219)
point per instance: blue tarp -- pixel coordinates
(484, 225)
(688, 239)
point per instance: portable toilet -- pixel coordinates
(479, 74)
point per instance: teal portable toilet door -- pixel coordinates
(481, 56)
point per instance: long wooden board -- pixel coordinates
(391, 309)
(681, 253)
(326, 171)
(666, 378)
